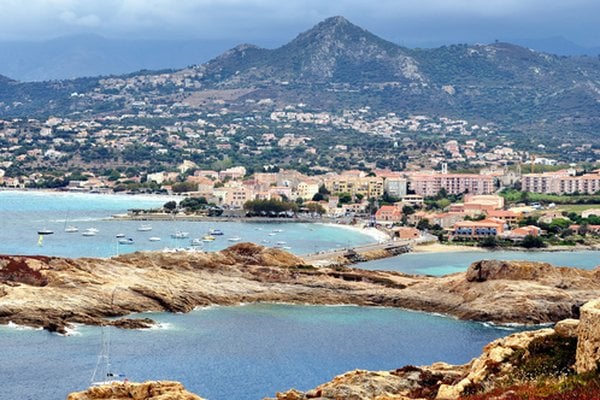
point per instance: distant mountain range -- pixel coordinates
(92, 55)
(338, 65)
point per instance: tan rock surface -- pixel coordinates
(153, 390)
(51, 292)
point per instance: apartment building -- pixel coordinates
(561, 182)
(430, 184)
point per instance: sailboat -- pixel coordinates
(103, 373)
(70, 228)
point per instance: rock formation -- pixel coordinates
(522, 358)
(155, 390)
(588, 331)
(52, 292)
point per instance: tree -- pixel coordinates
(489, 242)
(345, 198)
(318, 197)
(530, 242)
(408, 210)
(170, 206)
(182, 187)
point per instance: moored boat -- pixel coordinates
(144, 228)
(45, 231)
(180, 235)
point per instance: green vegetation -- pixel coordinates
(270, 208)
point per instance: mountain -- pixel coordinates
(333, 51)
(91, 55)
(337, 65)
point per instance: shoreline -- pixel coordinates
(374, 233)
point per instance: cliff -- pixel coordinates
(155, 390)
(52, 292)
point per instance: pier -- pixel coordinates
(352, 255)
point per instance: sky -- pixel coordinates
(274, 22)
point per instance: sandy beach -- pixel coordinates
(376, 234)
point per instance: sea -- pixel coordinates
(239, 352)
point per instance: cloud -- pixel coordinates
(268, 21)
(89, 20)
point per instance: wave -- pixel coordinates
(18, 327)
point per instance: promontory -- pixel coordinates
(53, 292)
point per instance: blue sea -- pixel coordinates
(24, 213)
(448, 263)
(243, 352)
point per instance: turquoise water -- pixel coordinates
(24, 213)
(245, 352)
(448, 263)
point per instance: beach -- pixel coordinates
(376, 234)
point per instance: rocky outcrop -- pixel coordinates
(52, 292)
(588, 332)
(154, 390)
(521, 358)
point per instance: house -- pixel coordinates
(478, 229)
(520, 233)
(406, 233)
(388, 214)
(508, 217)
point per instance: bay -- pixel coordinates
(447, 263)
(244, 352)
(24, 213)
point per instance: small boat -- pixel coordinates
(45, 232)
(71, 229)
(281, 243)
(180, 235)
(272, 234)
(154, 239)
(89, 232)
(144, 228)
(277, 230)
(234, 239)
(126, 241)
(216, 232)
(120, 235)
(208, 238)
(196, 242)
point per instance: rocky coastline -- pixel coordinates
(54, 292)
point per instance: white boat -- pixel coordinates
(277, 230)
(120, 235)
(216, 232)
(208, 238)
(126, 241)
(281, 243)
(180, 235)
(234, 239)
(45, 231)
(103, 373)
(71, 229)
(89, 232)
(154, 239)
(144, 228)
(272, 234)
(196, 242)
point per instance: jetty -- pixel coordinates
(356, 254)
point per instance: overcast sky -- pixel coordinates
(273, 22)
